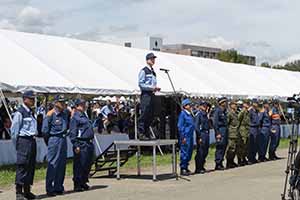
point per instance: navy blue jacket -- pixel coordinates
(219, 119)
(80, 128)
(201, 123)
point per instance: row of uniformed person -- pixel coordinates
(241, 133)
(58, 123)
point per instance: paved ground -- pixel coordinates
(257, 182)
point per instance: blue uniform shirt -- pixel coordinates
(219, 119)
(80, 127)
(147, 79)
(56, 124)
(265, 119)
(201, 123)
(23, 123)
(186, 125)
(254, 118)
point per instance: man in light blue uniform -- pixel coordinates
(186, 127)
(221, 132)
(24, 130)
(81, 135)
(148, 85)
(54, 129)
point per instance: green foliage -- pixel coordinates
(265, 64)
(290, 66)
(232, 56)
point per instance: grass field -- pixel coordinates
(7, 173)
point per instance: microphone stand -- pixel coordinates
(174, 91)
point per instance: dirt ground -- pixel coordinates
(262, 181)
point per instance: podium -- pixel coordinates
(152, 143)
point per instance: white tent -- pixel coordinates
(50, 64)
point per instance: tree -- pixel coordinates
(232, 56)
(265, 64)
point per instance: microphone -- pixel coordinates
(164, 70)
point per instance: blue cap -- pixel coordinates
(79, 101)
(222, 100)
(254, 101)
(150, 56)
(202, 103)
(59, 98)
(29, 94)
(186, 102)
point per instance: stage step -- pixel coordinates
(107, 161)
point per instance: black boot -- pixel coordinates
(85, 186)
(78, 188)
(27, 193)
(219, 167)
(19, 192)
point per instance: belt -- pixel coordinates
(85, 139)
(148, 92)
(27, 137)
(58, 135)
(254, 126)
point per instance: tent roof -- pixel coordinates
(50, 64)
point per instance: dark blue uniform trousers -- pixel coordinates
(57, 157)
(26, 159)
(253, 143)
(82, 163)
(186, 151)
(263, 141)
(146, 116)
(221, 146)
(202, 151)
(275, 138)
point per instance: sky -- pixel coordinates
(267, 29)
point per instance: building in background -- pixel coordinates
(192, 50)
(200, 51)
(150, 43)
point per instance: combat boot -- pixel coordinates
(27, 193)
(19, 192)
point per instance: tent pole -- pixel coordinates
(135, 118)
(4, 103)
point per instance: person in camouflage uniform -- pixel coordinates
(232, 135)
(243, 129)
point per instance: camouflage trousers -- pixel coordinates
(243, 147)
(231, 149)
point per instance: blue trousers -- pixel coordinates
(202, 151)
(57, 158)
(275, 139)
(253, 143)
(221, 146)
(146, 116)
(263, 141)
(186, 151)
(26, 159)
(82, 163)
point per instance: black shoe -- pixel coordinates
(219, 167)
(78, 188)
(29, 195)
(51, 194)
(276, 157)
(230, 165)
(200, 170)
(184, 172)
(59, 192)
(20, 196)
(85, 186)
